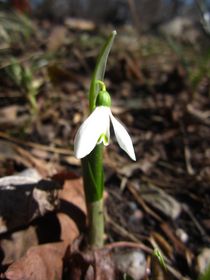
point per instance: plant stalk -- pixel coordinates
(96, 224)
(93, 177)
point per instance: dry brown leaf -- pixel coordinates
(46, 261)
(24, 198)
(160, 200)
(40, 262)
(80, 24)
(163, 244)
(56, 38)
(14, 247)
(72, 210)
(178, 245)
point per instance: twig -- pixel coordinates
(134, 14)
(120, 230)
(127, 244)
(35, 145)
(195, 221)
(139, 199)
(187, 153)
(203, 117)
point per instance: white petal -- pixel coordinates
(107, 129)
(90, 131)
(123, 138)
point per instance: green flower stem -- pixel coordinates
(96, 224)
(102, 84)
(92, 165)
(93, 177)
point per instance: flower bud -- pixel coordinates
(103, 99)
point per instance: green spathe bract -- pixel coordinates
(92, 164)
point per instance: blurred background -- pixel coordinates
(182, 19)
(149, 14)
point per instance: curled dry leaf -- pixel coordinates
(72, 210)
(40, 262)
(46, 261)
(14, 247)
(24, 198)
(160, 200)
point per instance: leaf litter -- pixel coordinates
(161, 201)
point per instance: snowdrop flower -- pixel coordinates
(96, 130)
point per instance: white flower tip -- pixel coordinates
(132, 155)
(78, 152)
(78, 155)
(130, 151)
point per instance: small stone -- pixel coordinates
(131, 262)
(183, 236)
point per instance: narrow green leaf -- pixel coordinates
(99, 71)
(160, 258)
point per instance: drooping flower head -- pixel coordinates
(96, 129)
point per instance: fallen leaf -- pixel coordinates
(40, 262)
(24, 198)
(160, 200)
(79, 24)
(56, 38)
(46, 261)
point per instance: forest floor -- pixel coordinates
(160, 90)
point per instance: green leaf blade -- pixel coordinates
(100, 69)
